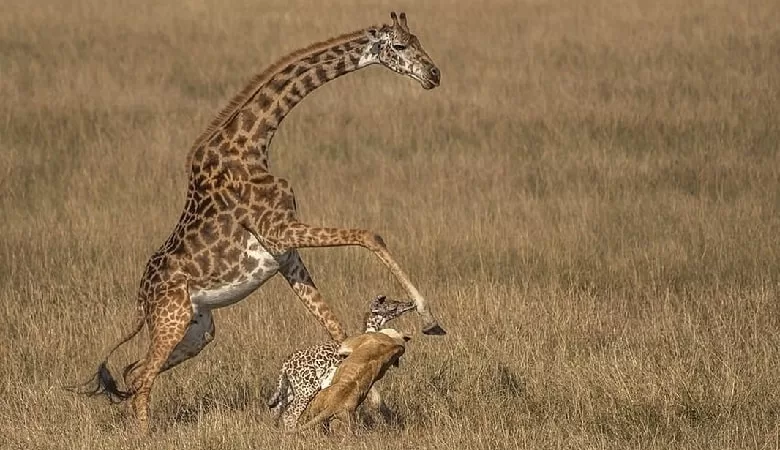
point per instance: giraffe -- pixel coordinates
(239, 226)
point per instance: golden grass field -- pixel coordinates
(590, 202)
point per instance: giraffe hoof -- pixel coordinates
(434, 330)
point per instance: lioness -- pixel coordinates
(368, 356)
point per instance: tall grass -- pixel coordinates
(590, 201)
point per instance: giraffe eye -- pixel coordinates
(399, 46)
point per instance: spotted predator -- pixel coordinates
(307, 371)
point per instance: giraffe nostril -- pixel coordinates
(435, 76)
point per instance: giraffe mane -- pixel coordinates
(257, 82)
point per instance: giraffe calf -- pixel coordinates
(307, 371)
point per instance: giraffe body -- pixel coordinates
(230, 291)
(239, 226)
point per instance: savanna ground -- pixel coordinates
(591, 201)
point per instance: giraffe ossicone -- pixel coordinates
(239, 225)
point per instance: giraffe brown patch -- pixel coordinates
(223, 201)
(195, 244)
(287, 102)
(225, 224)
(193, 270)
(225, 148)
(231, 127)
(263, 101)
(210, 162)
(295, 92)
(206, 209)
(340, 66)
(216, 140)
(233, 254)
(262, 131)
(265, 179)
(249, 265)
(209, 232)
(240, 212)
(232, 274)
(321, 74)
(308, 83)
(286, 200)
(198, 154)
(220, 249)
(277, 85)
(278, 114)
(203, 263)
(300, 70)
(315, 58)
(288, 69)
(248, 119)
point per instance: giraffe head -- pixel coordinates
(396, 48)
(383, 310)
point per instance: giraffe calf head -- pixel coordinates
(396, 48)
(383, 310)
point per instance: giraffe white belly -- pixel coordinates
(224, 294)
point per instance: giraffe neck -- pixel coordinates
(239, 136)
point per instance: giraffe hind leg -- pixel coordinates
(168, 324)
(200, 333)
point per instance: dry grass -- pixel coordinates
(591, 201)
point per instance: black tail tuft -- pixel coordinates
(101, 383)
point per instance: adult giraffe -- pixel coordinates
(239, 225)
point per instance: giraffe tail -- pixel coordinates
(102, 382)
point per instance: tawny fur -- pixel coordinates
(368, 356)
(307, 371)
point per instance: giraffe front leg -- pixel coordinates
(298, 235)
(296, 274)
